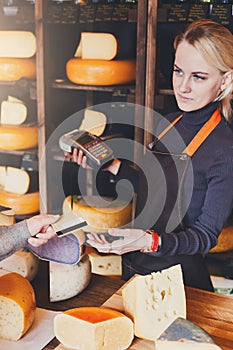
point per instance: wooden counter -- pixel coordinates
(213, 312)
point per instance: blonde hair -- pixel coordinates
(215, 43)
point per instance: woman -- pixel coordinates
(199, 202)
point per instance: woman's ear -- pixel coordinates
(227, 80)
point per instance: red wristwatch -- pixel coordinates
(155, 242)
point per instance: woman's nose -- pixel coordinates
(185, 85)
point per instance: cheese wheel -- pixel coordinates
(99, 46)
(22, 204)
(14, 43)
(66, 280)
(93, 328)
(100, 218)
(13, 69)
(15, 180)
(100, 72)
(13, 113)
(21, 137)
(154, 301)
(23, 262)
(17, 305)
(225, 240)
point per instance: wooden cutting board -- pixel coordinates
(115, 302)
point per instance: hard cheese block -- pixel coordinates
(185, 335)
(94, 328)
(100, 46)
(104, 264)
(15, 43)
(13, 113)
(154, 301)
(93, 121)
(17, 305)
(14, 180)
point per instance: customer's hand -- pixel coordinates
(128, 240)
(40, 229)
(78, 157)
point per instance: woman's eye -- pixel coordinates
(177, 71)
(198, 77)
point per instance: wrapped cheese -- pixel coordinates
(17, 305)
(93, 328)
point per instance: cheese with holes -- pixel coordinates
(13, 69)
(23, 262)
(21, 204)
(185, 335)
(14, 43)
(104, 264)
(14, 113)
(100, 72)
(17, 305)
(154, 301)
(94, 122)
(18, 137)
(99, 213)
(66, 280)
(93, 328)
(15, 180)
(98, 46)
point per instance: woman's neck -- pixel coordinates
(199, 116)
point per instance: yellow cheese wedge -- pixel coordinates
(15, 43)
(100, 72)
(93, 328)
(7, 217)
(22, 204)
(94, 122)
(16, 181)
(18, 137)
(154, 301)
(104, 264)
(17, 305)
(13, 69)
(14, 113)
(98, 46)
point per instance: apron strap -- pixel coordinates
(169, 127)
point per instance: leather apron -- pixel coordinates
(168, 210)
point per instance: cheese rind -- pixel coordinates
(22, 204)
(104, 329)
(17, 305)
(13, 69)
(154, 301)
(98, 46)
(13, 137)
(20, 44)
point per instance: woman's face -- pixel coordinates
(195, 82)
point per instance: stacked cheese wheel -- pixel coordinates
(94, 62)
(17, 49)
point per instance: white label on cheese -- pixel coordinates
(18, 44)
(94, 122)
(99, 46)
(13, 113)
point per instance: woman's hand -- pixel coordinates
(78, 157)
(129, 240)
(40, 229)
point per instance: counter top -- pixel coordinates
(211, 311)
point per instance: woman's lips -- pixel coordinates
(183, 98)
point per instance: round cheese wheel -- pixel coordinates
(225, 240)
(13, 69)
(98, 217)
(18, 137)
(21, 204)
(104, 329)
(17, 304)
(100, 72)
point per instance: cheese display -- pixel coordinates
(14, 180)
(17, 305)
(93, 328)
(23, 262)
(100, 215)
(13, 137)
(104, 264)
(185, 335)
(13, 69)
(154, 301)
(94, 122)
(67, 280)
(13, 113)
(100, 46)
(22, 204)
(15, 43)
(100, 72)
(225, 240)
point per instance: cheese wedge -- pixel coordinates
(100, 72)
(17, 305)
(94, 122)
(98, 46)
(104, 264)
(22, 204)
(17, 180)
(7, 216)
(14, 113)
(93, 328)
(185, 335)
(18, 137)
(13, 69)
(15, 43)
(154, 301)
